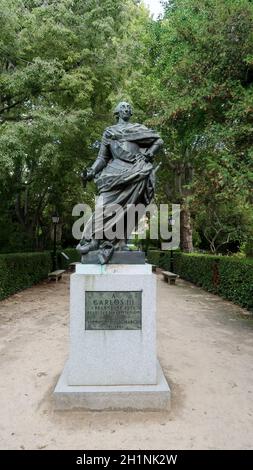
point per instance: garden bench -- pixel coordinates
(56, 275)
(72, 266)
(168, 276)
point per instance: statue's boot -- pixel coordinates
(84, 247)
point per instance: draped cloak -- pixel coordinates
(126, 179)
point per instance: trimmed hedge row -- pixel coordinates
(230, 277)
(21, 270)
(73, 255)
(160, 258)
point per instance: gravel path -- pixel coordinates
(205, 346)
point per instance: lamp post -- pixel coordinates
(55, 220)
(171, 223)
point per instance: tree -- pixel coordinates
(198, 81)
(59, 63)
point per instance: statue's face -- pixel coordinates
(125, 111)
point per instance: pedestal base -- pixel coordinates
(112, 397)
(112, 339)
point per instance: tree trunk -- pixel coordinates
(186, 229)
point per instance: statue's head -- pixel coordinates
(123, 110)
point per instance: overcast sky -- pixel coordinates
(154, 6)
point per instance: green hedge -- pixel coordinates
(200, 269)
(72, 253)
(21, 270)
(159, 258)
(237, 281)
(154, 257)
(230, 277)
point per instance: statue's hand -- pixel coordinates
(149, 156)
(90, 174)
(87, 174)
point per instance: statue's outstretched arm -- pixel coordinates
(157, 145)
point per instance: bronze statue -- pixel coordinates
(124, 175)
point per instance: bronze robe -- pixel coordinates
(127, 178)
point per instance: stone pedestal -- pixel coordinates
(112, 360)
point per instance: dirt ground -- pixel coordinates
(205, 346)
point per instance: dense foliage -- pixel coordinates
(63, 66)
(60, 63)
(198, 89)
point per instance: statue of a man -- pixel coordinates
(124, 175)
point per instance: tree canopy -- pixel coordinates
(61, 63)
(65, 63)
(198, 84)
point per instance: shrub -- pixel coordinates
(200, 269)
(165, 261)
(21, 270)
(155, 256)
(73, 255)
(230, 277)
(236, 280)
(249, 248)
